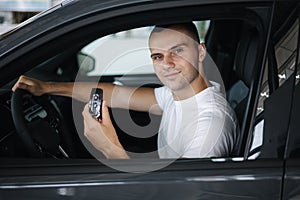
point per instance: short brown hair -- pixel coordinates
(188, 26)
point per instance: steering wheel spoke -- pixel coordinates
(40, 126)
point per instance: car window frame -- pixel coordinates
(95, 33)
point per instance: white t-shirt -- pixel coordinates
(201, 126)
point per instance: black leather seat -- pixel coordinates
(238, 93)
(233, 47)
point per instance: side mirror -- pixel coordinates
(86, 63)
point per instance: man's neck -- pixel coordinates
(192, 89)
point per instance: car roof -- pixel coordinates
(70, 10)
(77, 8)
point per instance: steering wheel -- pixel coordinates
(40, 126)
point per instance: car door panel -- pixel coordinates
(292, 176)
(183, 179)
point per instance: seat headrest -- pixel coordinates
(246, 55)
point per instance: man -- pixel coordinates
(196, 119)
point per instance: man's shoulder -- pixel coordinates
(216, 105)
(163, 96)
(163, 91)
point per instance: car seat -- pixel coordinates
(232, 44)
(243, 67)
(238, 94)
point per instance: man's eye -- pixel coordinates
(156, 57)
(178, 51)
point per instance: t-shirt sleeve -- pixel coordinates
(161, 94)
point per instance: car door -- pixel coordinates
(236, 177)
(291, 181)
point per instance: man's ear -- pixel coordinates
(202, 51)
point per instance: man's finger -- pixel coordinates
(85, 112)
(87, 118)
(15, 87)
(23, 86)
(105, 113)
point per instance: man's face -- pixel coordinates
(175, 57)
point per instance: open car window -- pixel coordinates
(120, 55)
(116, 56)
(123, 53)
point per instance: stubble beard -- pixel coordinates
(181, 83)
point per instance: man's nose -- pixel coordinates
(169, 61)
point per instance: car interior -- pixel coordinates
(232, 44)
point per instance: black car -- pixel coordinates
(255, 45)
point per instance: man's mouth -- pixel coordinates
(172, 75)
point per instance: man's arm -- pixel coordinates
(140, 99)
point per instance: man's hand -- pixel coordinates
(32, 85)
(102, 134)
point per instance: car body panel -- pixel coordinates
(292, 180)
(275, 177)
(200, 180)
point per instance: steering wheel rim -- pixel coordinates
(22, 126)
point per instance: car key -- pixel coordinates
(95, 103)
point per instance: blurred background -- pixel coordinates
(13, 12)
